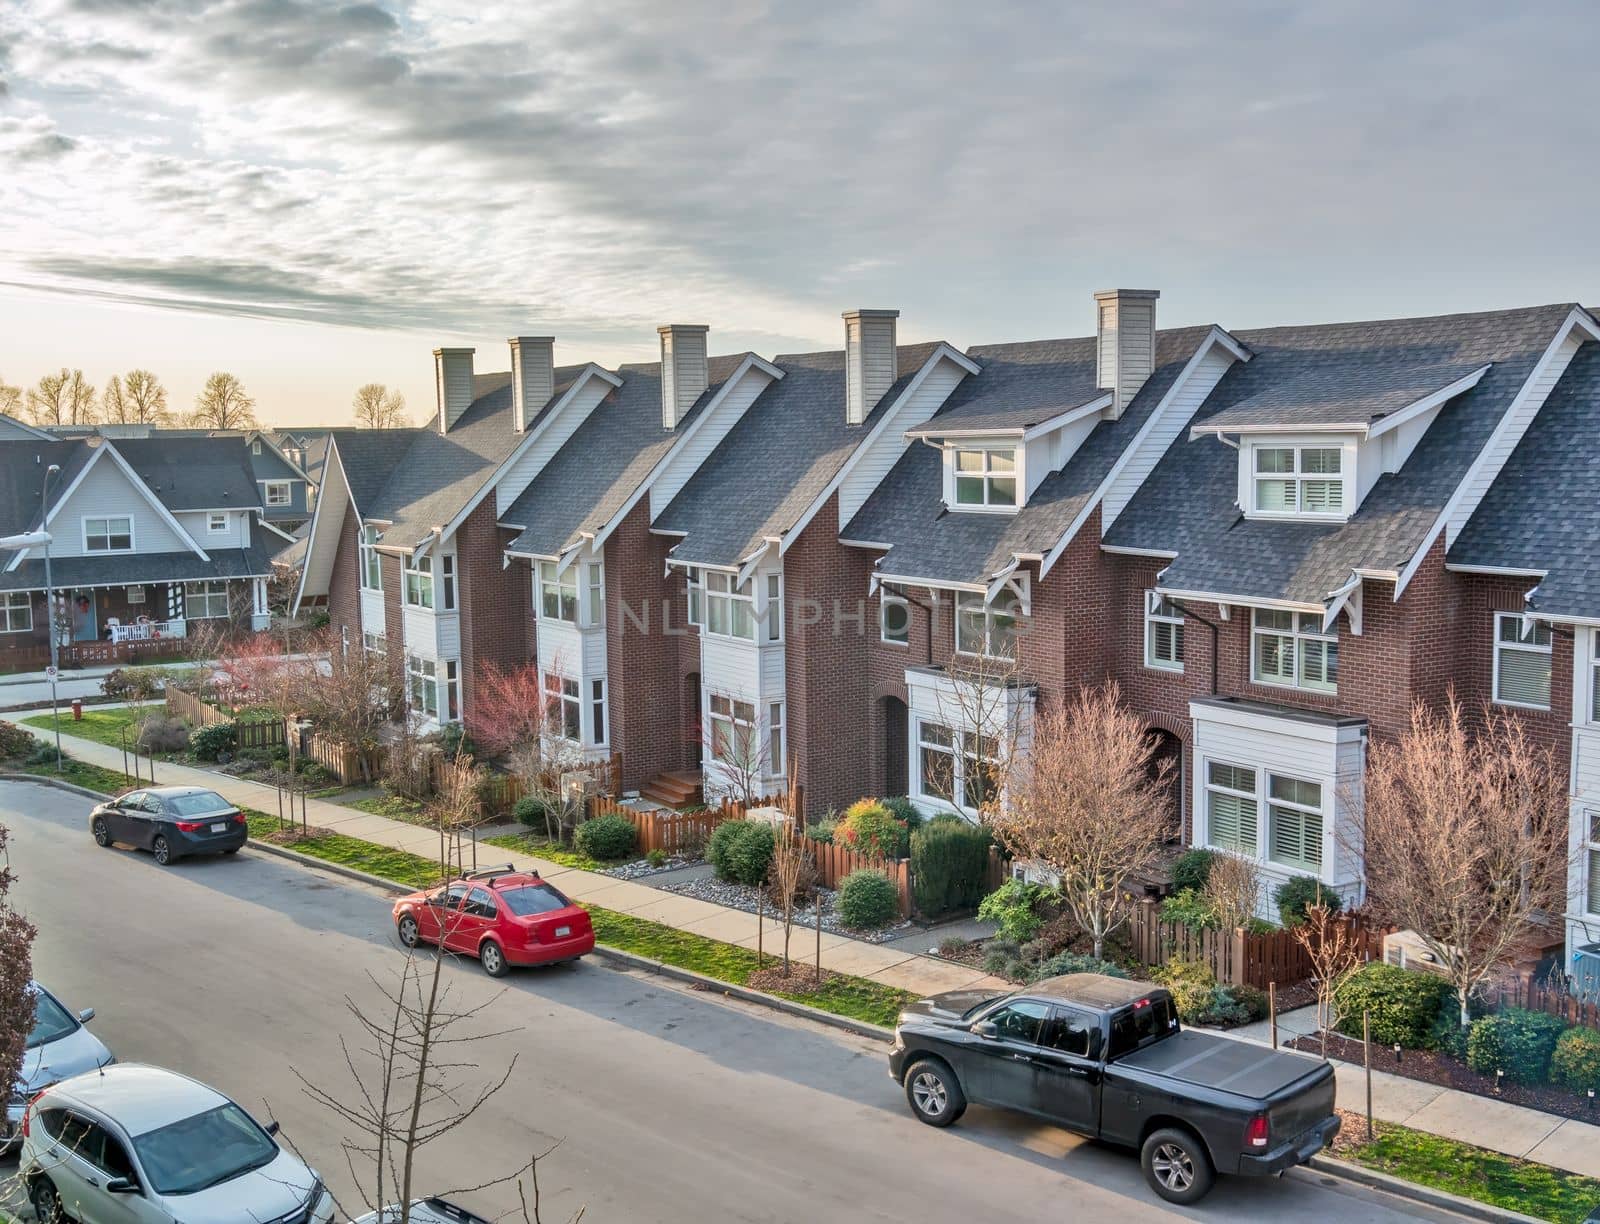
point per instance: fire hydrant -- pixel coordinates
(77, 709)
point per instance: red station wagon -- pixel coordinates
(502, 916)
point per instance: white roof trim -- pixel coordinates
(751, 362)
(1216, 337)
(330, 456)
(872, 544)
(1427, 403)
(1578, 320)
(933, 584)
(1122, 551)
(1240, 601)
(1502, 571)
(944, 352)
(1099, 403)
(1366, 429)
(278, 531)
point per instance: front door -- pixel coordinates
(85, 626)
(1003, 1064)
(1066, 1071)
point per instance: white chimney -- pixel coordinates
(452, 382)
(533, 377)
(1125, 348)
(684, 370)
(870, 362)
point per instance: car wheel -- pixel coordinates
(46, 1202)
(493, 959)
(934, 1093)
(406, 928)
(102, 834)
(1177, 1166)
(162, 851)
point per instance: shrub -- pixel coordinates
(1075, 962)
(1516, 1041)
(741, 851)
(903, 810)
(314, 773)
(209, 743)
(870, 828)
(1000, 958)
(656, 857)
(606, 837)
(822, 831)
(1191, 909)
(15, 743)
(131, 684)
(1254, 1001)
(954, 945)
(867, 900)
(949, 863)
(1200, 999)
(1297, 892)
(42, 753)
(535, 811)
(1405, 1004)
(1576, 1063)
(1191, 870)
(1014, 909)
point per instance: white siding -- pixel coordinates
(1582, 928)
(421, 632)
(1162, 430)
(559, 647)
(552, 435)
(709, 428)
(731, 666)
(1506, 436)
(372, 619)
(873, 462)
(106, 490)
(870, 362)
(447, 625)
(1050, 452)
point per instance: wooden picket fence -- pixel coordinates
(1237, 957)
(835, 862)
(1535, 995)
(670, 832)
(197, 712)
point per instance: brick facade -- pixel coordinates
(495, 602)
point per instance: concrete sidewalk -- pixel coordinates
(1487, 1123)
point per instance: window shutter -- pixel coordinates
(1525, 677)
(1594, 882)
(1233, 823)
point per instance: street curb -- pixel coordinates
(1427, 1195)
(631, 960)
(45, 780)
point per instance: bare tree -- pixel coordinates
(456, 806)
(377, 407)
(10, 398)
(62, 398)
(792, 873)
(736, 745)
(352, 701)
(1233, 887)
(517, 719)
(1334, 949)
(1088, 805)
(1465, 839)
(978, 744)
(16, 972)
(223, 403)
(114, 403)
(146, 398)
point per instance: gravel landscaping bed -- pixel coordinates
(639, 869)
(743, 897)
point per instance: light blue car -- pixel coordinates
(59, 1047)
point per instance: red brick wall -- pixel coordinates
(494, 601)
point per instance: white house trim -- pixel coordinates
(332, 465)
(1239, 601)
(1125, 551)
(1471, 488)
(1503, 571)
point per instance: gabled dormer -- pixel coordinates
(1311, 448)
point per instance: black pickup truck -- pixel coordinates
(1106, 1058)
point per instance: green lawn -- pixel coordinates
(402, 867)
(80, 773)
(1475, 1173)
(551, 852)
(394, 807)
(100, 725)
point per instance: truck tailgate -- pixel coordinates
(1220, 1063)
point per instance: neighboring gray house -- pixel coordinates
(12, 429)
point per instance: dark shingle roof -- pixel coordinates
(124, 568)
(193, 473)
(604, 462)
(1543, 510)
(1023, 385)
(1188, 505)
(907, 509)
(1334, 393)
(775, 462)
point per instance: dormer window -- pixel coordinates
(986, 477)
(987, 629)
(1299, 481)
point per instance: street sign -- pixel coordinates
(50, 672)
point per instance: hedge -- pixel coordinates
(1405, 1004)
(741, 851)
(949, 866)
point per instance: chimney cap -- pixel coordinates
(453, 352)
(683, 327)
(530, 340)
(1103, 294)
(870, 314)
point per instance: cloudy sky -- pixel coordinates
(314, 195)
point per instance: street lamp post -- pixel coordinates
(50, 608)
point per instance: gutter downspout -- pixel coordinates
(1215, 635)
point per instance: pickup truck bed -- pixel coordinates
(1221, 1064)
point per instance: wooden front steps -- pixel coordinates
(675, 788)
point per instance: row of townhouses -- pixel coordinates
(1274, 540)
(149, 537)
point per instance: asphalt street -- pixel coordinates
(669, 1105)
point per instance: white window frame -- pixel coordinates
(135, 593)
(775, 740)
(371, 560)
(108, 533)
(731, 722)
(217, 522)
(559, 586)
(964, 749)
(374, 643)
(1303, 640)
(1594, 678)
(447, 582)
(1591, 858)
(255, 446)
(986, 475)
(416, 584)
(1231, 790)
(599, 716)
(695, 595)
(891, 597)
(1299, 478)
(1528, 632)
(594, 573)
(277, 494)
(730, 606)
(1162, 619)
(422, 685)
(1287, 810)
(208, 591)
(564, 694)
(11, 604)
(772, 613)
(992, 634)
(450, 691)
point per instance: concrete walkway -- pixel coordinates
(1496, 1125)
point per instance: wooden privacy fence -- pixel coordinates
(835, 862)
(1237, 957)
(671, 832)
(343, 761)
(252, 732)
(1536, 996)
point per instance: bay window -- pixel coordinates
(371, 563)
(206, 600)
(961, 770)
(374, 643)
(694, 584)
(775, 738)
(565, 706)
(1592, 855)
(419, 584)
(447, 582)
(1163, 633)
(1294, 829)
(1231, 808)
(1594, 679)
(1522, 661)
(597, 710)
(558, 592)
(984, 628)
(597, 593)
(774, 613)
(16, 612)
(733, 731)
(986, 477)
(1290, 648)
(894, 616)
(452, 691)
(730, 606)
(936, 762)
(1298, 480)
(422, 685)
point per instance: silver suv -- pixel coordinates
(147, 1146)
(58, 1046)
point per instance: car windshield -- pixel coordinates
(205, 1150)
(197, 804)
(51, 1021)
(533, 899)
(1146, 1021)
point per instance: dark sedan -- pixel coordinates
(172, 822)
